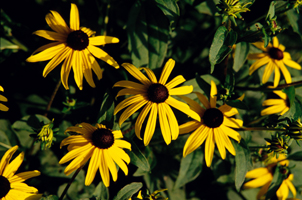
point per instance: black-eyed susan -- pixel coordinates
(103, 146)
(214, 126)
(275, 59)
(276, 105)
(74, 45)
(156, 97)
(11, 184)
(3, 99)
(263, 176)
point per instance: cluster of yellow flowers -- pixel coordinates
(76, 46)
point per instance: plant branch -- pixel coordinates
(52, 98)
(280, 87)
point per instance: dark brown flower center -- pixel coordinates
(102, 138)
(213, 118)
(4, 186)
(77, 40)
(275, 53)
(157, 93)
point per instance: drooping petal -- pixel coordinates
(270, 102)
(55, 61)
(101, 54)
(292, 64)
(219, 142)
(6, 158)
(12, 167)
(130, 85)
(172, 121)
(284, 111)
(291, 186)
(151, 123)
(267, 72)
(122, 144)
(164, 124)
(103, 167)
(230, 132)
(3, 107)
(50, 35)
(121, 154)
(117, 159)
(20, 177)
(273, 110)
(227, 142)
(126, 102)
(150, 74)
(285, 72)
(209, 148)
(3, 98)
(194, 105)
(203, 100)
(182, 107)
(87, 68)
(255, 173)
(281, 94)
(277, 76)
(57, 23)
(196, 139)
(232, 122)
(72, 154)
(189, 126)
(23, 187)
(213, 95)
(259, 63)
(74, 139)
(282, 192)
(77, 66)
(129, 92)
(48, 53)
(65, 69)
(111, 164)
(136, 73)
(166, 71)
(181, 90)
(42, 48)
(95, 66)
(131, 110)
(275, 42)
(227, 110)
(260, 45)
(141, 118)
(175, 81)
(74, 18)
(101, 40)
(258, 182)
(256, 56)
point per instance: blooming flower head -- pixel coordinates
(102, 145)
(74, 45)
(297, 3)
(275, 60)
(263, 176)
(46, 135)
(214, 126)
(3, 99)
(276, 105)
(12, 186)
(155, 96)
(155, 195)
(295, 130)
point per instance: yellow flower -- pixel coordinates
(155, 95)
(12, 186)
(233, 7)
(139, 196)
(298, 3)
(274, 58)
(263, 176)
(155, 195)
(46, 135)
(3, 99)
(75, 45)
(214, 126)
(99, 143)
(276, 105)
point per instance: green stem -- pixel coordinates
(69, 184)
(52, 98)
(260, 129)
(280, 87)
(258, 147)
(5, 145)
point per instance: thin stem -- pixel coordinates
(258, 147)
(52, 97)
(128, 130)
(280, 87)
(260, 129)
(5, 145)
(69, 184)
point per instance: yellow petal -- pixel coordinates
(136, 73)
(175, 81)
(284, 71)
(12, 167)
(220, 143)
(230, 132)
(259, 63)
(122, 144)
(23, 187)
(65, 69)
(126, 102)
(131, 110)
(291, 187)
(3, 98)
(203, 100)
(117, 159)
(47, 53)
(286, 56)
(20, 177)
(18, 194)
(6, 158)
(196, 139)
(3, 107)
(172, 121)
(101, 54)
(213, 95)
(256, 56)
(151, 123)
(42, 48)
(88, 31)
(95, 66)
(258, 182)
(57, 23)
(101, 40)
(281, 47)
(273, 110)
(164, 124)
(227, 110)
(166, 71)
(87, 68)
(50, 35)
(292, 64)
(141, 118)
(258, 172)
(74, 153)
(232, 122)
(267, 72)
(194, 105)
(275, 42)
(1, 89)
(209, 148)
(131, 85)
(282, 192)
(284, 111)
(74, 139)
(260, 45)
(111, 164)
(55, 61)
(189, 126)
(277, 76)
(103, 167)
(74, 18)
(270, 102)
(181, 90)
(227, 142)
(129, 92)
(150, 74)
(77, 67)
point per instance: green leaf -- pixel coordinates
(190, 168)
(241, 52)
(101, 192)
(148, 32)
(229, 82)
(106, 116)
(297, 156)
(290, 92)
(206, 87)
(221, 46)
(170, 9)
(237, 104)
(271, 11)
(127, 191)
(243, 162)
(275, 184)
(295, 21)
(138, 158)
(34, 122)
(5, 44)
(50, 197)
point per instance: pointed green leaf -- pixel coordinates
(137, 158)
(241, 52)
(126, 192)
(275, 184)
(297, 156)
(170, 9)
